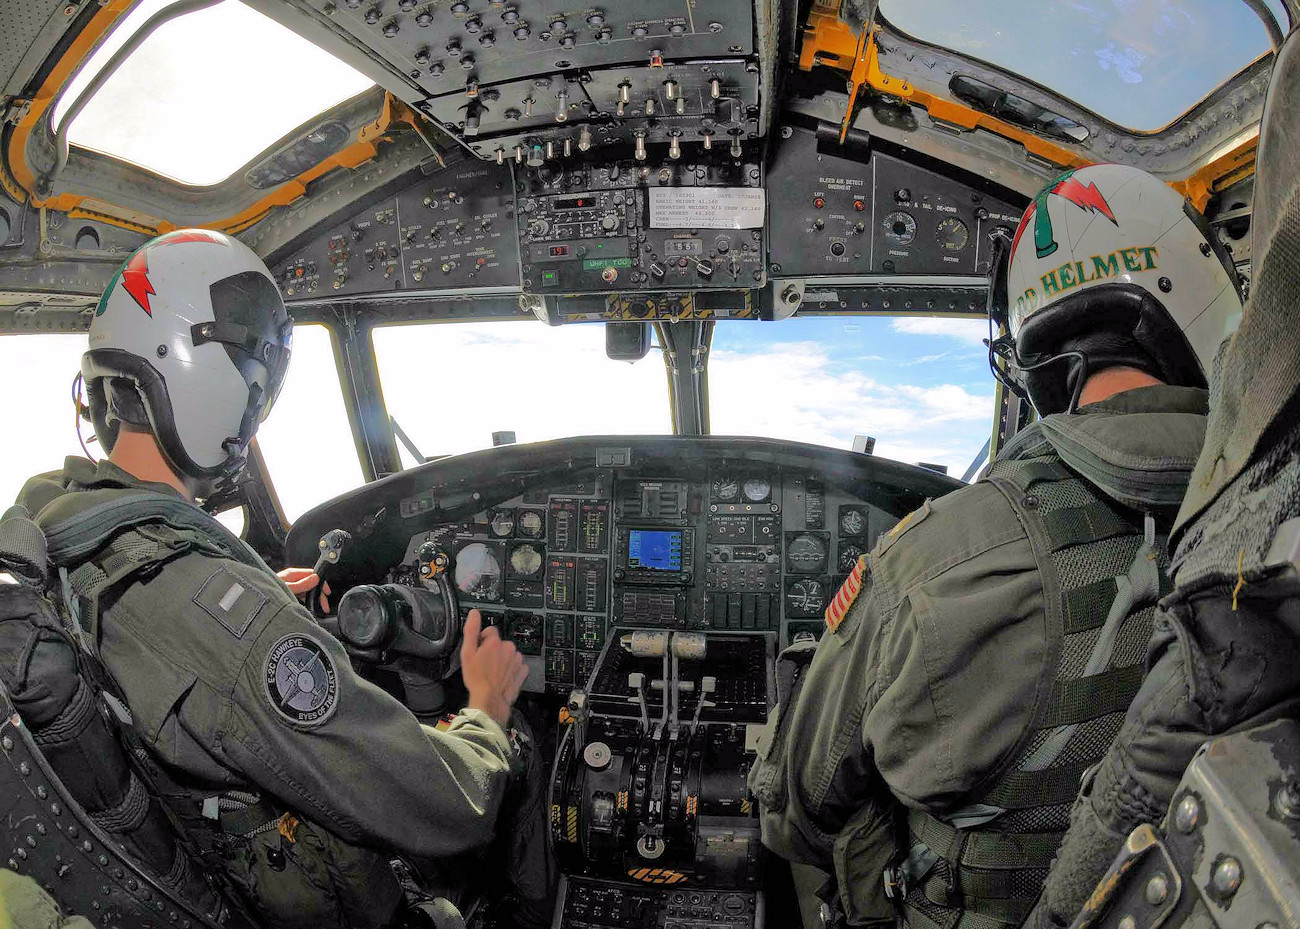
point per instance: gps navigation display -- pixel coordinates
(654, 550)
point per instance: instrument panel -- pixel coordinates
(721, 542)
(863, 230)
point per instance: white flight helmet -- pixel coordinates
(191, 340)
(1111, 266)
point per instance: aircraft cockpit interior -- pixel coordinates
(633, 327)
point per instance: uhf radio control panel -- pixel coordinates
(669, 226)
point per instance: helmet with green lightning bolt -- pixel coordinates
(1110, 266)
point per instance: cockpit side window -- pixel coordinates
(306, 440)
(36, 374)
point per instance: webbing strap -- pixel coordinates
(1079, 525)
(1086, 607)
(1025, 790)
(1035, 471)
(985, 849)
(1093, 696)
(999, 907)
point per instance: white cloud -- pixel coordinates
(791, 391)
(974, 331)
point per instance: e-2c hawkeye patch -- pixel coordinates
(848, 592)
(301, 681)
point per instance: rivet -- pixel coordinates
(1030, 502)
(31, 841)
(162, 351)
(1227, 876)
(7, 743)
(42, 792)
(103, 860)
(73, 831)
(24, 768)
(57, 810)
(21, 853)
(104, 890)
(1157, 890)
(118, 873)
(1165, 284)
(1127, 922)
(94, 904)
(13, 865)
(40, 828)
(131, 884)
(64, 869)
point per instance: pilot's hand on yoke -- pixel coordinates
(302, 581)
(492, 668)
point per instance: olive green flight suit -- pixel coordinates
(943, 679)
(24, 905)
(234, 687)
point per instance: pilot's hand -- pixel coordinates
(493, 669)
(304, 580)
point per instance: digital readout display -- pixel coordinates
(573, 203)
(654, 550)
(683, 246)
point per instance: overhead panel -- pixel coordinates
(508, 77)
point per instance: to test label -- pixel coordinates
(706, 207)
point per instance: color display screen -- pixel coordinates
(654, 550)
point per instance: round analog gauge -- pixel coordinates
(853, 522)
(806, 554)
(525, 560)
(953, 234)
(757, 490)
(849, 555)
(806, 597)
(531, 524)
(503, 523)
(900, 228)
(725, 490)
(478, 572)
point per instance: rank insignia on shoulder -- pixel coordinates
(300, 680)
(230, 601)
(848, 593)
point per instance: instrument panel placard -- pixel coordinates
(707, 207)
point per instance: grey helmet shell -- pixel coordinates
(195, 321)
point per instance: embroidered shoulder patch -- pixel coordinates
(230, 601)
(300, 680)
(848, 592)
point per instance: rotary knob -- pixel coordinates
(609, 222)
(597, 755)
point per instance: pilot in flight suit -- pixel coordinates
(294, 775)
(1227, 640)
(981, 657)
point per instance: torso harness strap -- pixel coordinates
(1103, 569)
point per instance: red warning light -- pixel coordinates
(818, 202)
(859, 205)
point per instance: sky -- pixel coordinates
(920, 386)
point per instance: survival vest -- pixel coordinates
(1097, 522)
(54, 569)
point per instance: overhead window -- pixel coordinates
(206, 93)
(1139, 63)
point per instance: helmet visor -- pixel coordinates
(250, 321)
